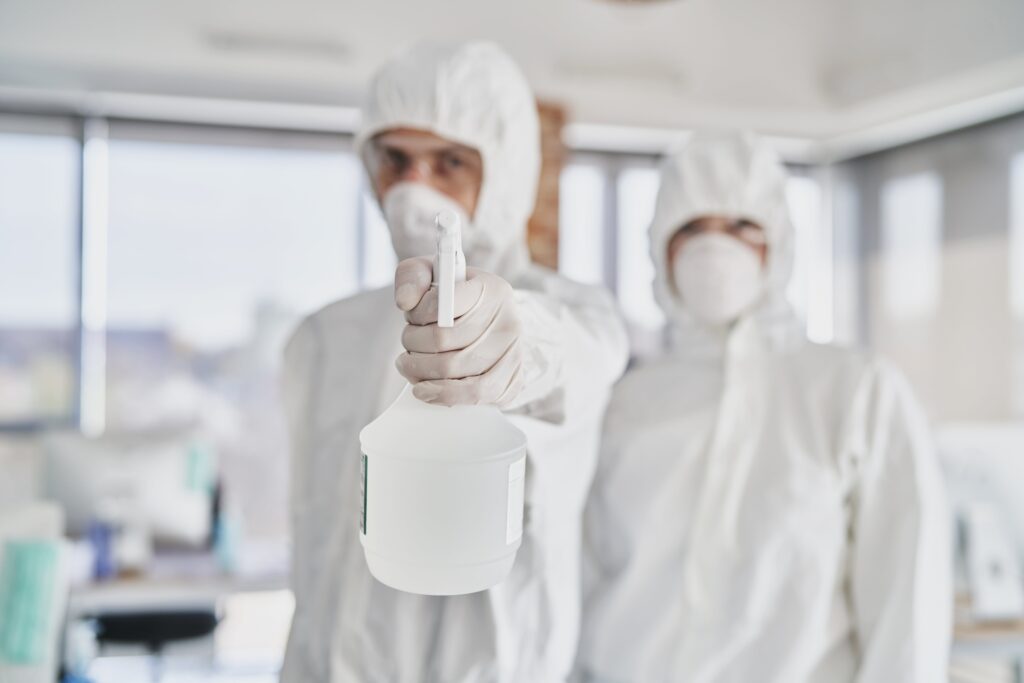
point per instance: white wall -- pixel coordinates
(953, 336)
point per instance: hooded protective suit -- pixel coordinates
(339, 374)
(765, 509)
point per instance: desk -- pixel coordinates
(231, 597)
(185, 580)
(1003, 641)
(129, 595)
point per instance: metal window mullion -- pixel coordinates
(610, 228)
(79, 331)
(94, 198)
(821, 309)
(362, 230)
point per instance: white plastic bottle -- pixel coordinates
(441, 504)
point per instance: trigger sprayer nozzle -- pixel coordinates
(447, 222)
(449, 265)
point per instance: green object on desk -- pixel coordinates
(26, 600)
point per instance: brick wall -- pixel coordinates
(542, 233)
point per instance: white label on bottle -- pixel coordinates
(516, 492)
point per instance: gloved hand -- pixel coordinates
(479, 359)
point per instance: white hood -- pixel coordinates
(732, 174)
(473, 94)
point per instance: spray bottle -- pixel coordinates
(441, 504)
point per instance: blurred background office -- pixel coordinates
(178, 188)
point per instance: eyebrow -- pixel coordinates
(425, 146)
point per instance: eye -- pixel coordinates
(749, 232)
(395, 159)
(746, 227)
(452, 161)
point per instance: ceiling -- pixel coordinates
(817, 69)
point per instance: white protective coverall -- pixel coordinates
(339, 373)
(765, 509)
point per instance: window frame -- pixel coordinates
(92, 134)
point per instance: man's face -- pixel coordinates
(407, 155)
(748, 233)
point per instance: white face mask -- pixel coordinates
(718, 278)
(410, 208)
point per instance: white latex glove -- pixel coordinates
(477, 360)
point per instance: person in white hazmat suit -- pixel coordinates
(448, 127)
(765, 509)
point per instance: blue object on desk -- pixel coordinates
(101, 538)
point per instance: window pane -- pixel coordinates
(810, 288)
(1017, 237)
(1016, 294)
(846, 259)
(204, 238)
(911, 245)
(215, 252)
(581, 223)
(38, 236)
(638, 188)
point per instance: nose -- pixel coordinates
(417, 170)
